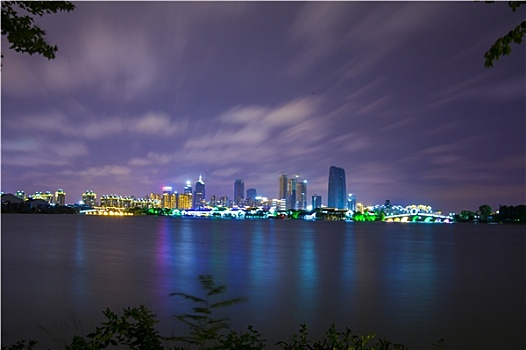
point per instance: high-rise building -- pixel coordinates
(282, 187)
(199, 194)
(47, 196)
(351, 202)
(283, 180)
(155, 200)
(167, 197)
(301, 195)
(316, 201)
(337, 196)
(188, 188)
(60, 197)
(251, 196)
(89, 198)
(21, 195)
(291, 192)
(184, 201)
(239, 192)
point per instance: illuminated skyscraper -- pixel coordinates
(351, 202)
(251, 196)
(291, 192)
(239, 192)
(316, 201)
(188, 188)
(301, 195)
(199, 193)
(167, 197)
(60, 197)
(89, 198)
(21, 195)
(337, 196)
(282, 186)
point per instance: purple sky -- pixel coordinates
(143, 95)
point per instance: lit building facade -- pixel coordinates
(21, 195)
(184, 201)
(188, 188)
(251, 196)
(239, 192)
(46, 196)
(316, 201)
(351, 202)
(337, 194)
(199, 194)
(60, 197)
(291, 192)
(301, 195)
(283, 180)
(89, 198)
(167, 198)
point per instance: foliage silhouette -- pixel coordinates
(204, 329)
(502, 47)
(21, 32)
(335, 339)
(135, 329)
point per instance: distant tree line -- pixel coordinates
(28, 207)
(505, 214)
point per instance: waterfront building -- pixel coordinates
(251, 196)
(351, 202)
(47, 196)
(184, 201)
(21, 195)
(167, 197)
(239, 192)
(360, 207)
(316, 201)
(301, 195)
(89, 198)
(156, 200)
(60, 197)
(199, 194)
(283, 186)
(188, 188)
(337, 188)
(223, 201)
(291, 192)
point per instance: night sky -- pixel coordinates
(144, 95)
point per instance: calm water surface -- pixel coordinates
(410, 283)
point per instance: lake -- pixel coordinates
(411, 283)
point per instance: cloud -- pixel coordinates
(152, 158)
(106, 170)
(89, 127)
(318, 28)
(36, 152)
(480, 87)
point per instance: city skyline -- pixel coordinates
(145, 95)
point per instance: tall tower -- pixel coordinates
(282, 186)
(316, 201)
(89, 198)
(199, 193)
(251, 196)
(337, 197)
(291, 192)
(60, 197)
(188, 188)
(239, 192)
(167, 197)
(301, 195)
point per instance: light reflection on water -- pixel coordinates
(411, 283)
